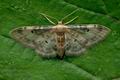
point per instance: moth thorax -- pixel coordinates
(59, 27)
(60, 23)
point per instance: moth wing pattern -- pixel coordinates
(36, 37)
(83, 36)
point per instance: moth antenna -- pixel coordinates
(69, 14)
(46, 16)
(71, 20)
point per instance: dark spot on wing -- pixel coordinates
(75, 40)
(39, 31)
(100, 28)
(36, 31)
(46, 41)
(85, 29)
(55, 47)
(20, 31)
(67, 45)
(32, 31)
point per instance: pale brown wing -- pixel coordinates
(81, 37)
(38, 38)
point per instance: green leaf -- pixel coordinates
(101, 62)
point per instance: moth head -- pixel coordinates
(60, 21)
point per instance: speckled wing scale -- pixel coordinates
(61, 40)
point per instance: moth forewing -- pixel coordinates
(83, 36)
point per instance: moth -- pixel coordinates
(60, 39)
